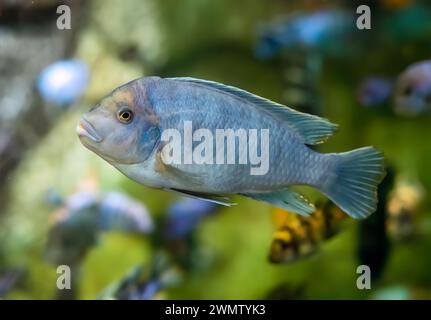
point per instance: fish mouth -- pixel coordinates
(85, 129)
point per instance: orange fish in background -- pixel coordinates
(396, 4)
(403, 209)
(299, 236)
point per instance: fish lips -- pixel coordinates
(85, 129)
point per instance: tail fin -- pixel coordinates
(354, 188)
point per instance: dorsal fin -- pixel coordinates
(312, 129)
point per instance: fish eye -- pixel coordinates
(125, 115)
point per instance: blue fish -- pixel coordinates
(63, 82)
(184, 215)
(322, 30)
(374, 91)
(82, 216)
(412, 90)
(120, 212)
(145, 129)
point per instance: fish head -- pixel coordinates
(412, 95)
(122, 128)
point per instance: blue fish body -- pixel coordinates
(323, 30)
(412, 90)
(349, 179)
(63, 82)
(185, 214)
(374, 91)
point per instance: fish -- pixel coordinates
(298, 237)
(73, 230)
(374, 91)
(184, 215)
(77, 223)
(117, 211)
(145, 282)
(412, 92)
(63, 82)
(323, 30)
(133, 130)
(403, 210)
(179, 230)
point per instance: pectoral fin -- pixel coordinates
(170, 170)
(197, 181)
(285, 199)
(224, 201)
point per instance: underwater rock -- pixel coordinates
(24, 118)
(133, 27)
(107, 71)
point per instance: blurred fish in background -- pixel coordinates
(374, 91)
(77, 223)
(404, 207)
(74, 229)
(120, 212)
(82, 216)
(180, 225)
(412, 92)
(300, 40)
(298, 237)
(401, 292)
(409, 95)
(63, 82)
(184, 215)
(323, 30)
(145, 283)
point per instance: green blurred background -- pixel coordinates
(215, 40)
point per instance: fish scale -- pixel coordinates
(135, 147)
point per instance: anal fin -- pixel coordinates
(286, 199)
(218, 199)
